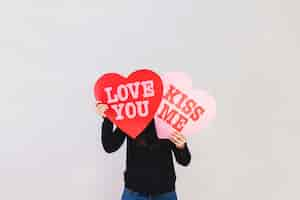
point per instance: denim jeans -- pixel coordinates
(131, 195)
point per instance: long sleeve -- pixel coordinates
(182, 156)
(111, 139)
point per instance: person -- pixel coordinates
(150, 172)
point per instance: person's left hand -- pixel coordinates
(178, 139)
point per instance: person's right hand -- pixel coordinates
(101, 108)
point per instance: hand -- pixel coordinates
(101, 108)
(178, 139)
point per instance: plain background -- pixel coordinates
(245, 53)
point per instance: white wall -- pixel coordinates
(245, 53)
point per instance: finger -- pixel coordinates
(178, 134)
(179, 137)
(103, 107)
(98, 102)
(102, 111)
(173, 139)
(176, 140)
(99, 108)
(175, 134)
(178, 143)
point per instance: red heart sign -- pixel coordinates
(132, 101)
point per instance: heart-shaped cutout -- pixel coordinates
(183, 108)
(132, 101)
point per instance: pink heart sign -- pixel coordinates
(183, 108)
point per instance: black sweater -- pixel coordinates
(149, 161)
